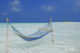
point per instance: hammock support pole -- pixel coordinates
(7, 37)
(51, 29)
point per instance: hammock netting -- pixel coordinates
(37, 35)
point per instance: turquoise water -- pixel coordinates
(66, 36)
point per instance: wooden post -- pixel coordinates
(51, 29)
(7, 37)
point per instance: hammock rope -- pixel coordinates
(37, 35)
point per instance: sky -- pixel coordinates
(39, 10)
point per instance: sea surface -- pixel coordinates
(66, 38)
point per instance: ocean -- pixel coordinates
(66, 38)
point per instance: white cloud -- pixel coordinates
(77, 6)
(15, 6)
(48, 8)
(15, 2)
(78, 3)
(4, 13)
(16, 9)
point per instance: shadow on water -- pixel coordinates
(26, 45)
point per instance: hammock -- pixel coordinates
(37, 35)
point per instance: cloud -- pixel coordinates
(15, 6)
(4, 13)
(16, 9)
(77, 6)
(48, 8)
(78, 2)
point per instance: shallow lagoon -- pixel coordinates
(66, 36)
